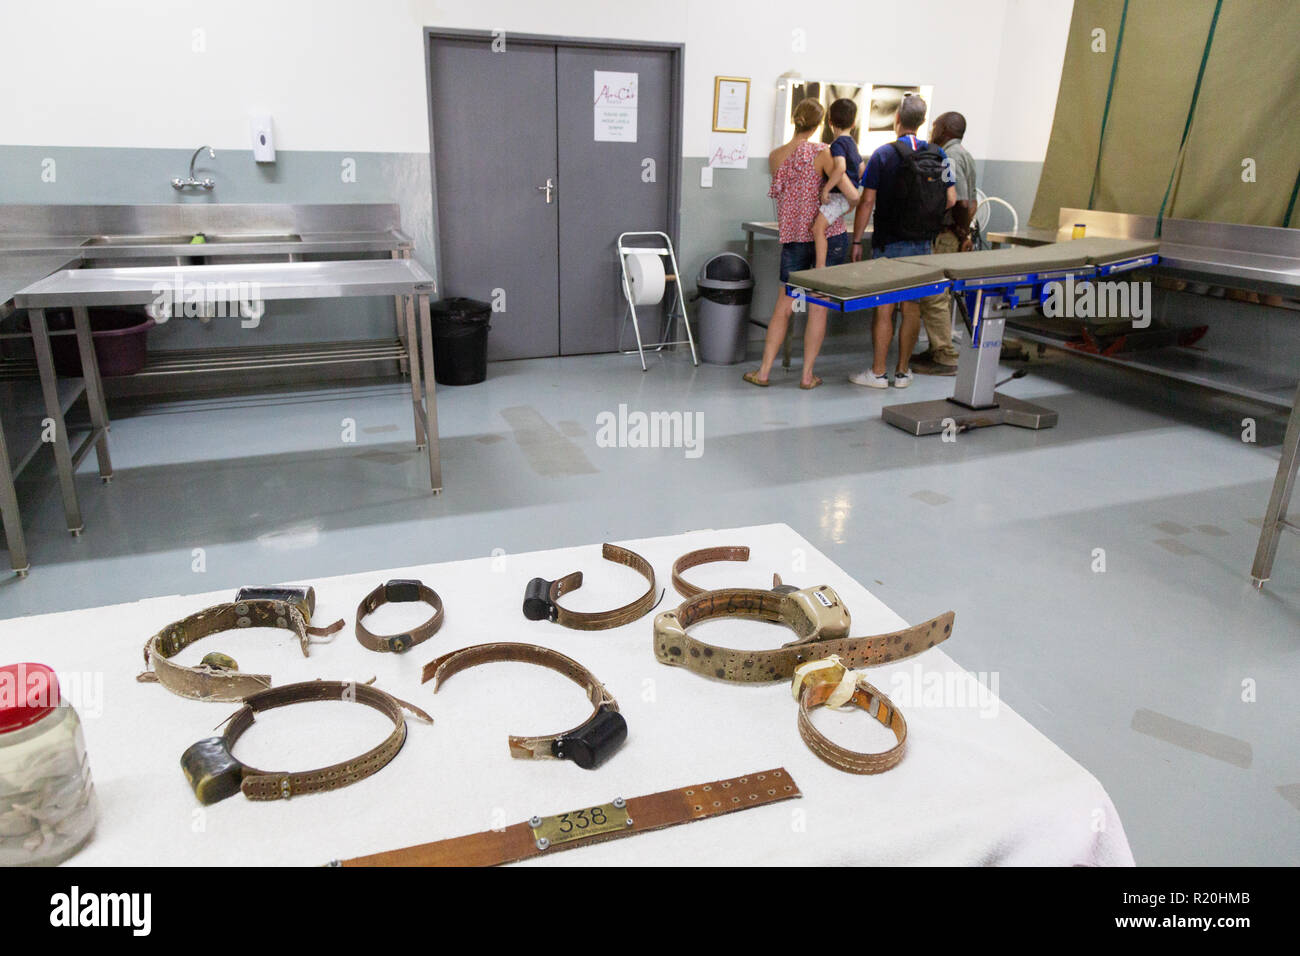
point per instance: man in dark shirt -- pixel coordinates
(940, 358)
(879, 188)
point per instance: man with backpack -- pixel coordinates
(909, 183)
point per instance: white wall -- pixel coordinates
(1028, 77)
(755, 39)
(348, 75)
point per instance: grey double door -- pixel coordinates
(529, 203)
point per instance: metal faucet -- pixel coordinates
(193, 183)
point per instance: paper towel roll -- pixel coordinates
(645, 277)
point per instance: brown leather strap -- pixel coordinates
(566, 744)
(603, 620)
(694, 559)
(816, 615)
(814, 686)
(281, 785)
(212, 681)
(654, 812)
(398, 592)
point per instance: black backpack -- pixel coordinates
(921, 193)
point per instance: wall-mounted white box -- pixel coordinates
(263, 140)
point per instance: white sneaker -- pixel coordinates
(902, 379)
(870, 379)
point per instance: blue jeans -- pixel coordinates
(797, 256)
(905, 247)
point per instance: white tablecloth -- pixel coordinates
(978, 784)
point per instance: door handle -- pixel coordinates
(549, 188)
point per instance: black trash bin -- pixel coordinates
(460, 334)
(726, 287)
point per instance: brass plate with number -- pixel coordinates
(580, 824)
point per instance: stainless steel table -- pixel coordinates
(224, 287)
(160, 234)
(9, 516)
(57, 396)
(753, 228)
(1276, 518)
(1260, 259)
(1023, 237)
(27, 424)
(1263, 259)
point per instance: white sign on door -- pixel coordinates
(615, 105)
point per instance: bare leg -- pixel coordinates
(909, 330)
(775, 336)
(882, 333)
(813, 334)
(820, 225)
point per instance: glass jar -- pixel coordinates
(47, 800)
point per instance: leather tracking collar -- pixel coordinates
(588, 745)
(214, 773)
(818, 618)
(210, 681)
(541, 595)
(703, 556)
(668, 808)
(693, 559)
(399, 592)
(829, 683)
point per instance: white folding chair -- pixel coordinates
(983, 210)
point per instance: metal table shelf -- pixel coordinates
(25, 413)
(247, 359)
(1187, 365)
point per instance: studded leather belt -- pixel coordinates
(545, 836)
(399, 592)
(829, 683)
(214, 773)
(218, 677)
(817, 616)
(589, 744)
(541, 595)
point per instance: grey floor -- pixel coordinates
(1167, 675)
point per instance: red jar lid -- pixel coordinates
(27, 693)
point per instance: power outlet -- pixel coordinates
(706, 177)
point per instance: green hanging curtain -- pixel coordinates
(1290, 206)
(1189, 101)
(1247, 110)
(1073, 148)
(1110, 92)
(1155, 82)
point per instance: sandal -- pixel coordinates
(753, 379)
(816, 380)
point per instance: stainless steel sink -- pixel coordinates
(184, 240)
(287, 237)
(137, 240)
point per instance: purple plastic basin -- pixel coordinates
(121, 343)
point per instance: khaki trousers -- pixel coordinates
(936, 311)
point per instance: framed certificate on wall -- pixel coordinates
(730, 104)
